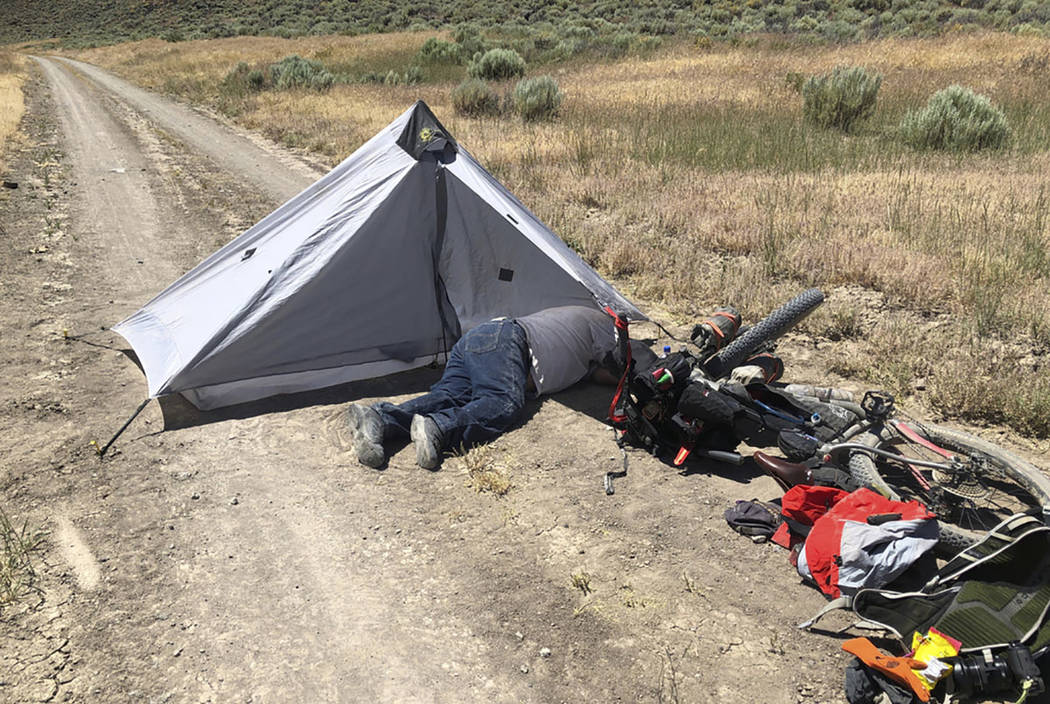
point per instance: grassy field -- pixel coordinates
(12, 73)
(688, 175)
(84, 23)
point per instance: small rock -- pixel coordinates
(545, 652)
(234, 501)
(177, 653)
(524, 669)
(195, 496)
(519, 635)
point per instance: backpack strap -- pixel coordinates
(618, 411)
(842, 602)
(617, 414)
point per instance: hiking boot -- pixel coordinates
(366, 432)
(427, 438)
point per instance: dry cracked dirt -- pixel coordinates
(243, 556)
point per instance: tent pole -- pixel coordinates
(102, 450)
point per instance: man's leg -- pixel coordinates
(452, 390)
(495, 362)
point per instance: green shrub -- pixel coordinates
(537, 98)
(296, 72)
(956, 118)
(468, 36)
(243, 79)
(497, 65)
(410, 77)
(840, 98)
(439, 51)
(620, 42)
(567, 48)
(256, 79)
(475, 98)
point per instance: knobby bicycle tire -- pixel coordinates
(1024, 487)
(766, 330)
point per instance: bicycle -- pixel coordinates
(970, 483)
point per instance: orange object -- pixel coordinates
(897, 669)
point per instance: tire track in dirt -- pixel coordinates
(76, 553)
(279, 175)
(333, 606)
(123, 220)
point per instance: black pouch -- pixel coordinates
(703, 403)
(667, 377)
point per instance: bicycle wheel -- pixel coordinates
(985, 485)
(769, 328)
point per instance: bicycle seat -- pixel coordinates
(787, 474)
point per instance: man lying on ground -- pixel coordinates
(489, 373)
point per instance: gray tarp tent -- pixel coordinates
(378, 267)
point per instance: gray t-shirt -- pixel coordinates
(566, 344)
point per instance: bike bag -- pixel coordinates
(774, 410)
(665, 377)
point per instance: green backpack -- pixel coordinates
(994, 593)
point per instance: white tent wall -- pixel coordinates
(491, 268)
(351, 295)
(492, 195)
(178, 325)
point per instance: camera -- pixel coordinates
(986, 674)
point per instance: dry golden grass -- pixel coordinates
(486, 470)
(150, 62)
(12, 75)
(688, 176)
(754, 77)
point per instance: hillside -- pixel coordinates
(103, 22)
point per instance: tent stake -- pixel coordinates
(102, 451)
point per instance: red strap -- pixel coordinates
(621, 326)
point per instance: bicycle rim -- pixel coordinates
(986, 485)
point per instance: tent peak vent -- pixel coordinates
(424, 133)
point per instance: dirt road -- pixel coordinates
(243, 557)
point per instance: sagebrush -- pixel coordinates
(537, 98)
(296, 72)
(840, 98)
(497, 65)
(956, 118)
(474, 98)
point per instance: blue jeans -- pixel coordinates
(481, 393)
